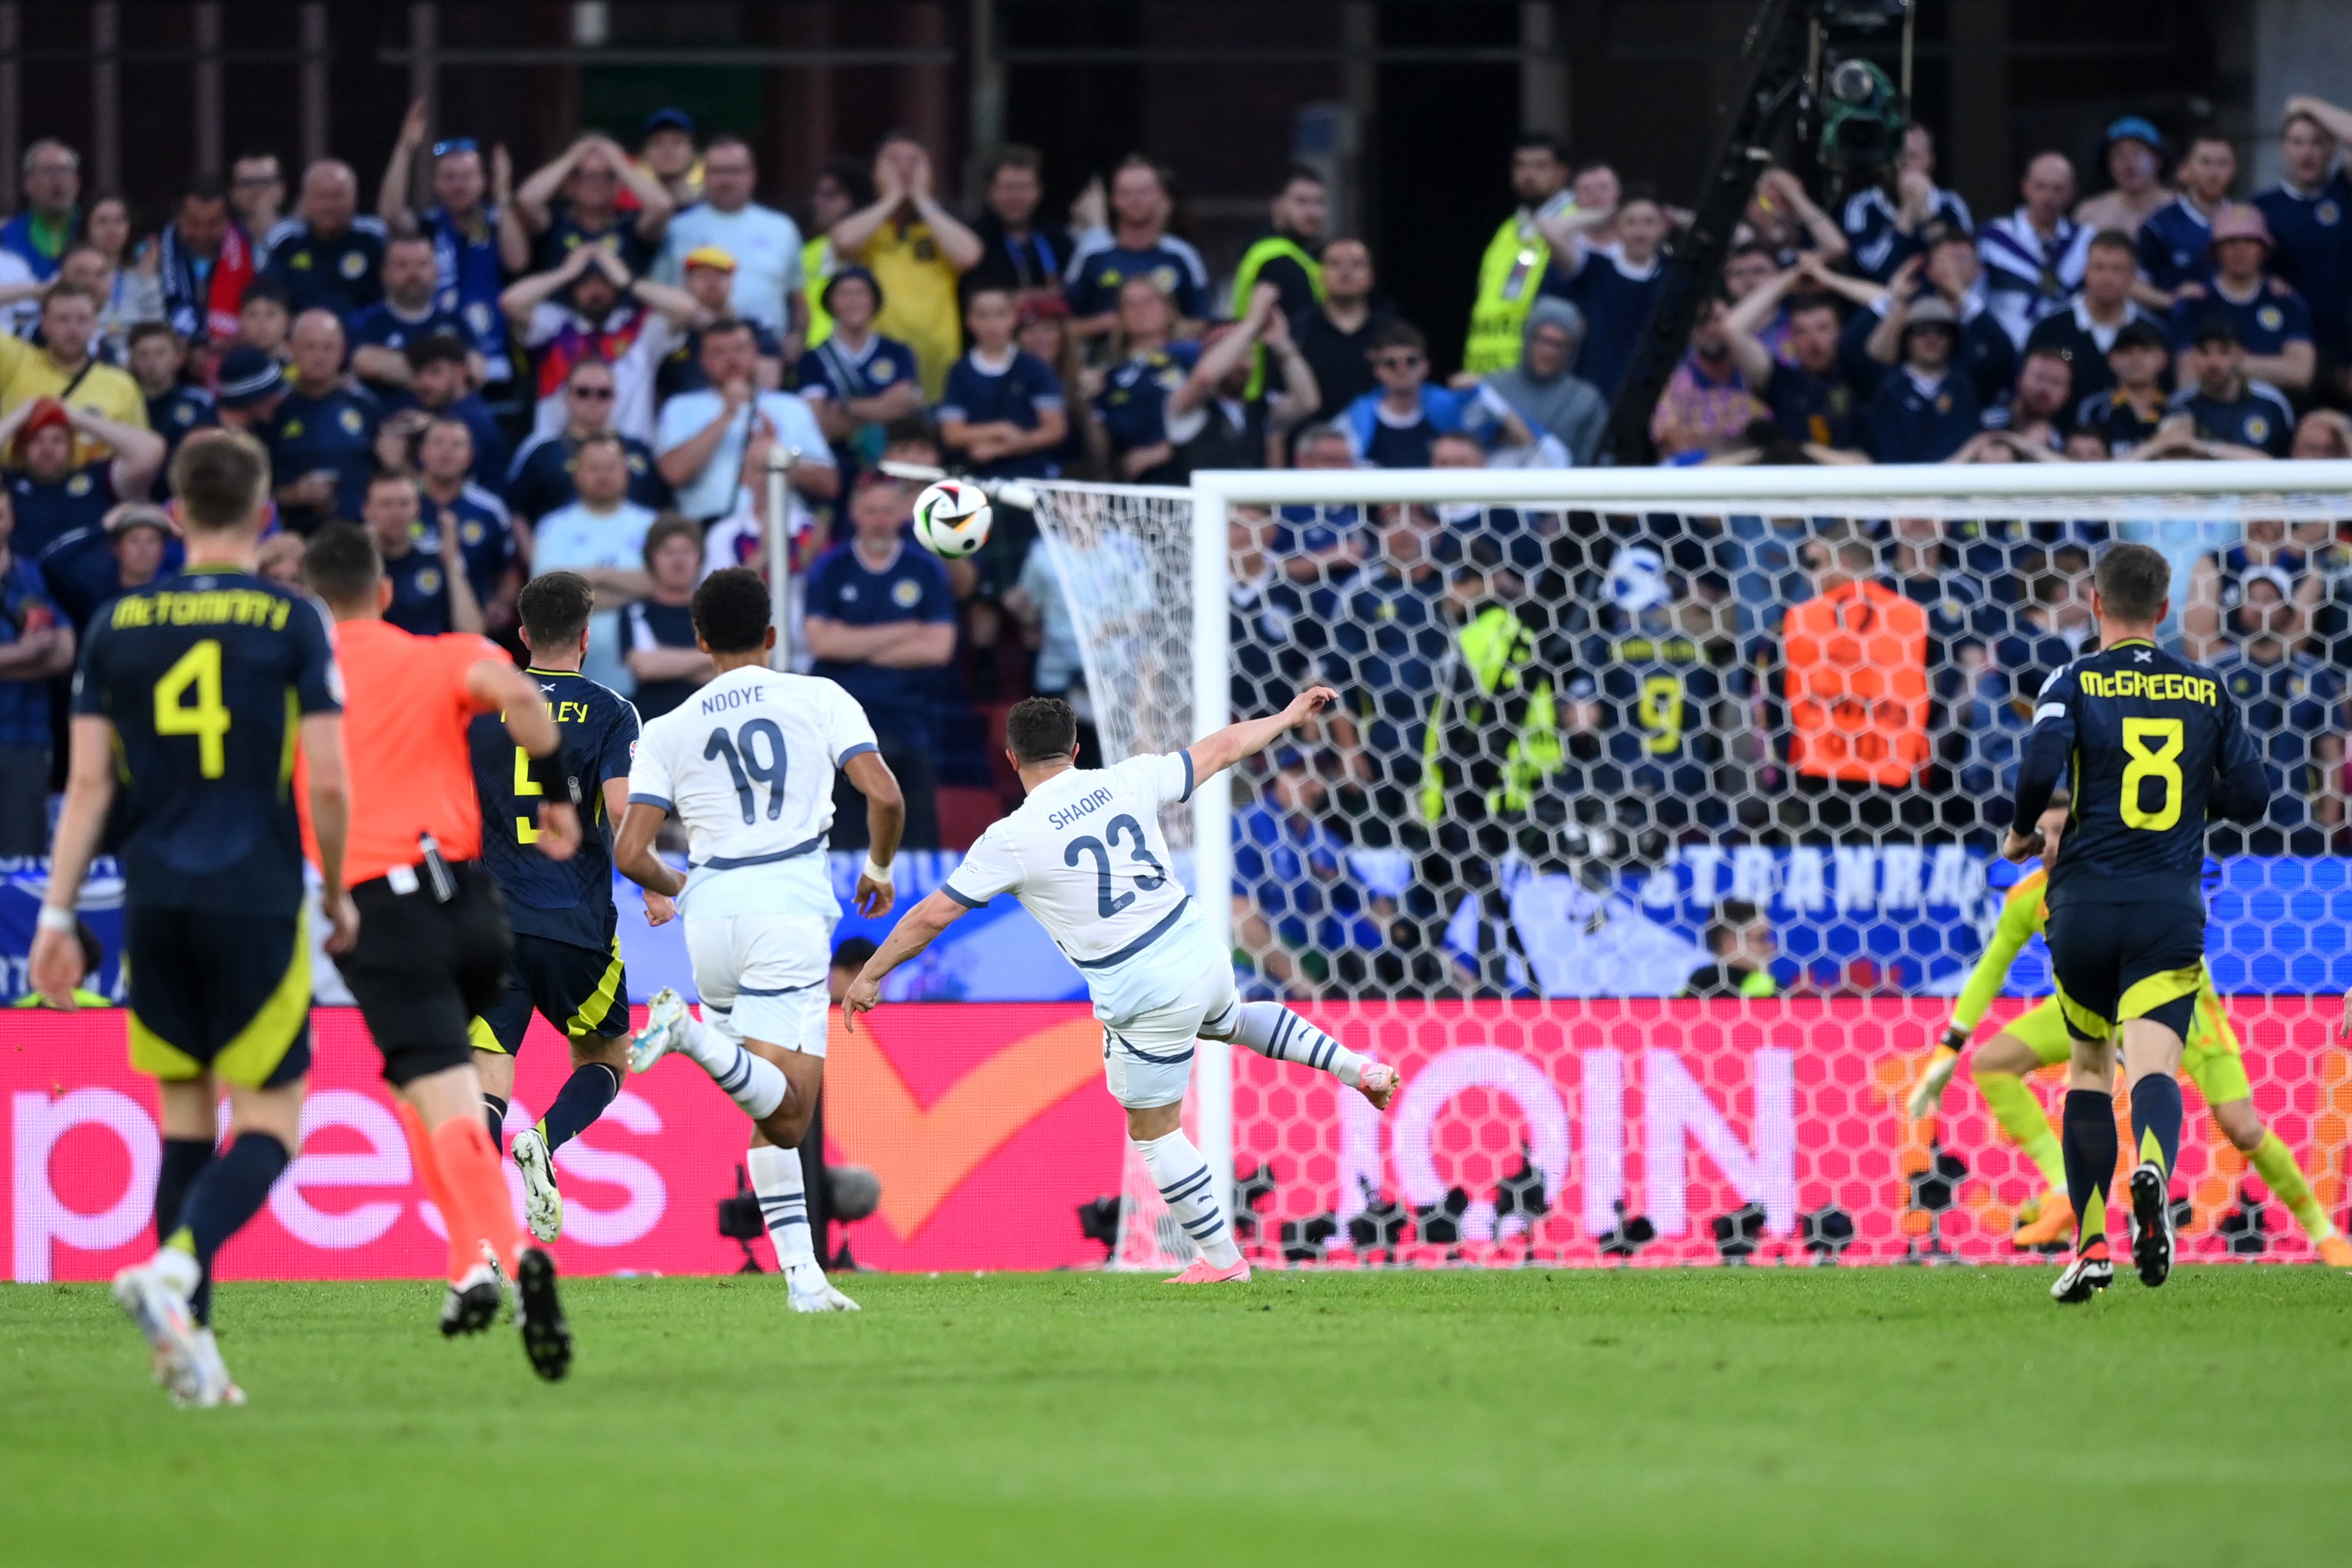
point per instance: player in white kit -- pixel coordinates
(1085, 855)
(746, 764)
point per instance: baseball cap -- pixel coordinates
(668, 117)
(2135, 128)
(1930, 310)
(249, 376)
(2242, 222)
(2217, 327)
(47, 414)
(138, 515)
(711, 256)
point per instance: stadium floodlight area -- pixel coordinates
(1612, 737)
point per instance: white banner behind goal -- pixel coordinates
(1584, 715)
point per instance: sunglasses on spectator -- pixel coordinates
(455, 144)
(593, 394)
(257, 180)
(1397, 361)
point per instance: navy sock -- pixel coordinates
(185, 1160)
(2156, 1119)
(585, 1093)
(494, 1116)
(2088, 1142)
(231, 1191)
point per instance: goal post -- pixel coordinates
(1710, 802)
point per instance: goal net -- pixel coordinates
(1655, 838)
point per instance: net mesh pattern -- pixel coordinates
(1751, 764)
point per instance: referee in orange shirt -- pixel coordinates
(433, 938)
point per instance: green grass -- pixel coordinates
(1705, 1417)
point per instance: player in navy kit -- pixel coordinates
(2148, 745)
(566, 962)
(194, 691)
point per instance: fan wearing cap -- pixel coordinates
(60, 506)
(857, 381)
(251, 387)
(2228, 415)
(764, 246)
(2310, 215)
(2134, 153)
(2176, 240)
(130, 547)
(710, 279)
(2128, 412)
(2273, 324)
(1925, 410)
(666, 150)
(2084, 332)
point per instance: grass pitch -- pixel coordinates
(1716, 1416)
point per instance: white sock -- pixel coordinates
(1191, 1194)
(1275, 1032)
(783, 1202)
(751, 1082)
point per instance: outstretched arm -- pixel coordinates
(916, 930)
(1213, 754)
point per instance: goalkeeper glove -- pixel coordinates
(1928, 1092)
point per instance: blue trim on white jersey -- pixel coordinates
(1138, 946)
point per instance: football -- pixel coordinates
(951, 518)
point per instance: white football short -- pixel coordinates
(1148, 1054)
(762, 976)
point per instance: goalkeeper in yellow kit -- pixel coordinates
(2037, 1038)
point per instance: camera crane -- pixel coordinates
(1779, 83)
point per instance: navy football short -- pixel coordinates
(2115, 962)
(584, 993)
(231, 997)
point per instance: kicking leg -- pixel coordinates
(1189, 1190)
(1279, 1034)
(751, 1080)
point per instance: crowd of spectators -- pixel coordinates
(589, 365)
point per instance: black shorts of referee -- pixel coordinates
(423, 970)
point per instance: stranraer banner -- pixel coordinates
(987, 1126)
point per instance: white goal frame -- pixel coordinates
(2121, 491)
